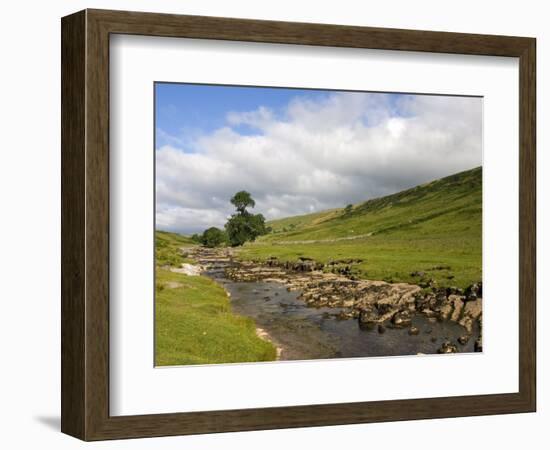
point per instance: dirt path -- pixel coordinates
(323, 241)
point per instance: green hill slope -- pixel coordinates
(433, 228)
(167, 247)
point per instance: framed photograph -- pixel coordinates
(272, 225)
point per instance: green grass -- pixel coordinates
(431, 225)
(193, 319)
(296, 223)
(167, 248)
(195, 325)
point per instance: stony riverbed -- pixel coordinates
(310, 312)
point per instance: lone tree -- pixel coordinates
(213, 237)
(244, 226)
(242, 200)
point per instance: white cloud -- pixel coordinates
(258, 118)
(346, 148)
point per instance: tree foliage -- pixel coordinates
(240, 228)
(242, 200)
(244, 226)
(213, 237)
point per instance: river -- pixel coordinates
(304, 332)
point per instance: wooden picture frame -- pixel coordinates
(85, 224)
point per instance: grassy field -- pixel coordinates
(193, 319)
(167, 247)
(433, 228)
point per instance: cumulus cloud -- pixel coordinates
(317, 154)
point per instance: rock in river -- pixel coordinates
(447, 347)
(402, 319)
(478, 347)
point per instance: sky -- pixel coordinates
(299, 151)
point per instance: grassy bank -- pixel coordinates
(167, 248)
(434, 228)
(193, 319)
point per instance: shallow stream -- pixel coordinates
(305, 332)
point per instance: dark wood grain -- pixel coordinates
(527, 224)
(73, 112)
(85, 224)
(151, 24)
(97, 224)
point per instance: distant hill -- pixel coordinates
(431, 225)
(453, 202)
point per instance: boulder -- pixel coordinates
(401, 319)
(467, 323)
(445, 311)
(368, 315)
(473, 309)
(458, 306)
(429, 313)
(454, 290)
(447, 347)
(385, 305)
(478, 346)
(474, 291)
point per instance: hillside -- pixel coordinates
(433, 228)
(167, 247)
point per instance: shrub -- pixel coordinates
(213, 237)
